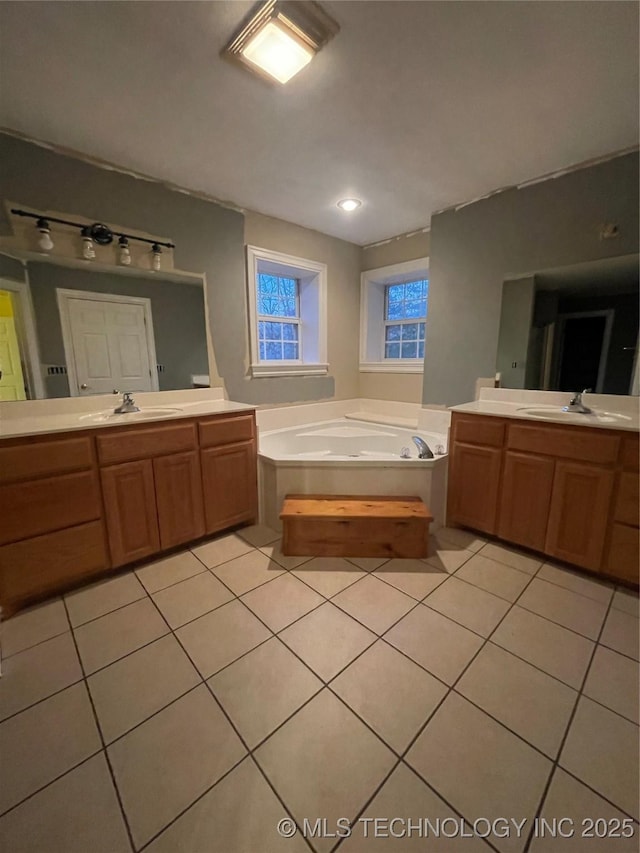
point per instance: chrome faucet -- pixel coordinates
(424, 451)
(576, 404)
(127, 406)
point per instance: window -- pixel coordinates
(393, 314)
(404, 304)
(287, 313)
(278, 318)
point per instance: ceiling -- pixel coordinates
(605, 276)
(413, 107)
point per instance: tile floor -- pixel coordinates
(192, 704)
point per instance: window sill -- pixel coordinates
(395, 366)
(274, 369)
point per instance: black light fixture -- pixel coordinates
(280, 37)
(96, 233)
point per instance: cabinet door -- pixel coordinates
(474, 479)
(623, 556)
(130, 508)
(230, 485)
(578, 513)
(527, 481)
(179, 498)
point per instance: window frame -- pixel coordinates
(373, 322)
(312, 300)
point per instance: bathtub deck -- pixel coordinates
(355, 526)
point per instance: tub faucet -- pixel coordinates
(576, 404)
(127, 406)
(424, 451)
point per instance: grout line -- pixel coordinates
(273, 634)
(566, 731)
(101, 736)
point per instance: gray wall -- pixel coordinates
(209, 239)
(177, 311)
(473, 250)
(11, 268)
(515, 322)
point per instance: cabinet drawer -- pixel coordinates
(478, 430)
(582, 444)
(135, 443)
(627, 499)
(228, 430)
(40, 506)
(44, 458)
(629, 452)
(45, 564)
(623, 557)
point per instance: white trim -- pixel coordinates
(393, 365)
(372, 322)
(288, 368)
(64, 296)
(313, 279)
(26, 320)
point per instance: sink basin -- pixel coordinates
(555, 412)
(109, 416)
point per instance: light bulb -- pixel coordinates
(45, 242)
(88, 252)
(349, 204)
(156, 259)
(124, 255)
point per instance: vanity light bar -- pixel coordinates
(101, 234)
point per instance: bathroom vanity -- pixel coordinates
(568, 491)
(78, 503)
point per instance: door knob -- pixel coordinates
(84, 386)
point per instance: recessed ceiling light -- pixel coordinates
(349, 204)
(281, 38)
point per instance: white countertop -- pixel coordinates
(629, 417)
(12, 427)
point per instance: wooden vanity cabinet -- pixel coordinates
(527, 484)
(131, 512)
(622, 555)
(475, 461)
(229, 471)
(78, 504)
(561, 490)
(51, 521)
(153, 497)
(178, 483)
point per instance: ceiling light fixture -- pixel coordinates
(281, 37)
(349, 204)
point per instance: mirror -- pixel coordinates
(571, 328)
(79, 330)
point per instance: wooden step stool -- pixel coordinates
(354, 526)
